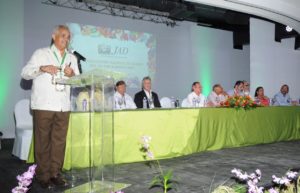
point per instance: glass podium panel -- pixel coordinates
(91, 139)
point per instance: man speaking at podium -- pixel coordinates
(50, 103)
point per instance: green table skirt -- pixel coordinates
(178, 132)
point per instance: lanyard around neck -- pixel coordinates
(63, 58)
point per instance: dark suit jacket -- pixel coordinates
(138, 99)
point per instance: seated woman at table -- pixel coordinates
(216, 96)
(121, 98)
(260, 97)
(196, 98)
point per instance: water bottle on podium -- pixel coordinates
(84, 105)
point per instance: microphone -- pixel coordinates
(78, 55)
(79, 58)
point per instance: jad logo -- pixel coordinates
(112, 50)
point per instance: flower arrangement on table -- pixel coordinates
(239, 102)
(163, 179)
(249, 183)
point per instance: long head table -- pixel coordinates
(177, 132)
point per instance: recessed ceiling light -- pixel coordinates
(288, 28)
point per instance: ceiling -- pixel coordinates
(209, 16)
(202, 14)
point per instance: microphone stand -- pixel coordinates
(79, 58)
(79, 65)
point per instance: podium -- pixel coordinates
(92, 94)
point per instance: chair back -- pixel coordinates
(184, 103)
(23, 115)
(165, 102)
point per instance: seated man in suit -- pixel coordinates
(150, 98)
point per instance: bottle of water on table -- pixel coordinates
(144, 103)
(173, 105)
(270, 101)
(194, 102)
(205, 102)
(177, 104)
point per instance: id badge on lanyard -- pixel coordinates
(59, 87)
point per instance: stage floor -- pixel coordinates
(195, 172)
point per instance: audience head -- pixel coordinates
(121, 87)
(217, 88)
(259, 92)
(61, 37)
(197, 88)
(146, 84)
(239, 85)
(284, 89)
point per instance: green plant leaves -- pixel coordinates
(164, 181)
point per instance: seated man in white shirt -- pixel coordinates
(216, 96)
(238, 89)
(122, 100)
(283, 98)
(196, 98)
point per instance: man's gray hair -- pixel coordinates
(59, 27)
(145, 78)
